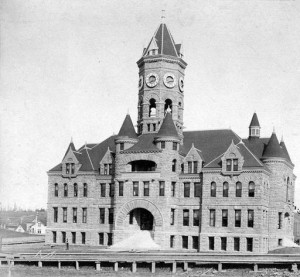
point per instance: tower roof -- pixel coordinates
(284, 150)
(127, 129)
(167, 128)
(254, 121)
(273, 149)
(164, 42)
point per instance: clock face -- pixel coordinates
(152, 80)
(169, 80)
(141, 82)
(181, 84)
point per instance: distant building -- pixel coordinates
(37, 227)
(21, 228)
(297, 228)
(207, 190)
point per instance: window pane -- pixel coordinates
(238, 192)
(103, 189)
(213, 188)
(197, 190)
(224, 218)
(225, 189)
(238, 214)
(228, 164)
(186, 216)
(251, 189)
(186, 189)
(161, 188)
(146, 188)
(121, 187)
(135, 188)
(196, 217)
(235, 164)
(212, 218)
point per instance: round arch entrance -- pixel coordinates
(142, 218)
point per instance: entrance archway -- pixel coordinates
(142, 218)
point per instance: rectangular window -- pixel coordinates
(101, 238)
(110, 216)
(211, 243)
(146, 188)
(195, 167)
(236, 244)
(174, 145)
(110, 169)
(224, 218)
(223, 243)
(249, 244)
(63, 237)
(172, 240)
(64, 214)
(154, 127)
(83, 237)
(172, 219)
(122, 146)
(109, 239)
(195, 242)
(173, 186)
(103, 189)
(185, 242)
(212, 217)
(54, 235)
(75, 190)
(72, 168)
(197, 189)
(279, 242)
(84, 215)
(85, 190)
(186, 217)
(65, 190)
(73, 237)
(135, 188)
(190, 167)
(111, 189)
(213, 189)
(238, 191)
(56, 190)
(131, 218)
(105, 169)
(161, 188)
(121, 188)
(67, 168)
(238, 217)
(279, 220)
(196, 217)
(225, 189)
(250, 218)
(102, 215)
(228, 165)
(186, 189)
(235, 165)
(163, 145)
(74, 215)
(182, 168)
(55, 214)
(148, 127)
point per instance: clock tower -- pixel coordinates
(161, 82)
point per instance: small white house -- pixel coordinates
(38, 228)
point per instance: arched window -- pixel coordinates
(56, 190)
(251, 192)
(213, 189)
(168, 105)
(85, 190)
(174, 165)
(152, 108)
(75, 190)
(65, 190)
(238, 191)
(225, 189)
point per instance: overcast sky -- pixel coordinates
(68, 69)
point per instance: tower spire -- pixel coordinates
(163, 17)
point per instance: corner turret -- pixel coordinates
(273, 148)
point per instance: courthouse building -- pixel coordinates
(206, 190)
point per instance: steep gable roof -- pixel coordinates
(127, 128)
(164, 41)
(167, 128)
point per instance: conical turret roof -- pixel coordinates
(127, 129)
(71, 146)
(284, 150)
(164, 41)
(273, 149)
(167, 128)
(254, 121)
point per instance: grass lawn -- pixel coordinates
(12, 234)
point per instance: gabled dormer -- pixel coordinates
(192, 163)
(232, 161)
(106, 164)
(70, 164)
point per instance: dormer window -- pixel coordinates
(232, 164)
(67, 168)
(192, 167)
(70, 168)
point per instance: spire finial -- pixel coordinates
(163, 17)
(128, 111)
(274, 130)
(71, 139)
